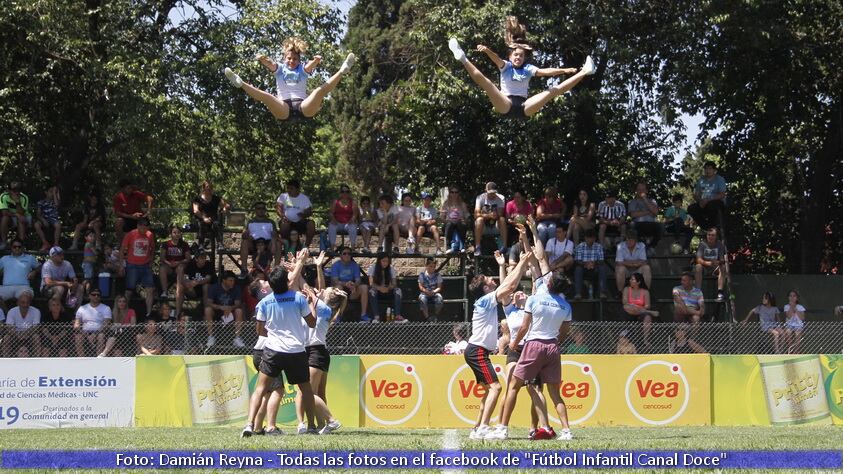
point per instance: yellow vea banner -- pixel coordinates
(777, 390)
(441, 391)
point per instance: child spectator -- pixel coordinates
(47, 217)
(430, 290)
(407, 221)
(89, 258)
(455, 214)
(426, 220)
(794, 325)
(367, 219)
(678, 223)
(387, 223)
(14, 208)
(578, 345)
(459, 344)
(175, 254)
(112, 261)
(768, 317)
(93, 218)
(625, 346)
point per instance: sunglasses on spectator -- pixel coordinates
(96, 293)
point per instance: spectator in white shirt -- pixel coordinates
(560, 250)
(91, 323)
(630, 258)
(23, 322)
(294, 208)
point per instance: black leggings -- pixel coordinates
(450, 228)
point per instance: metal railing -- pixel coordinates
(191, 337)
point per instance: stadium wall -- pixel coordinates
(425, 391)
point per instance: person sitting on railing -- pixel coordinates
(345, 275)
(58, 279)
(454, 213)
(688, 302)
(55, 331)
(343, 216)
(768, 317)
(128, 208)
(550, 213)
(93, 219)
(407, 221)
(711, 260)
(18, 269)
(259, 227)
(207, 209)
(560, 250)
(223, 304)
(709, 197)
(388, 223)
(427, 221)
(383, 285)
(91, 324)
(430, 290)
(636, 303)
(366, 217)
(489, 208)
(294, 210)
(682, 343)
(794, 325)
(589, 263)
(631, 257)
(22, 324)
(611, 214)
(123, 320)
(175, 255)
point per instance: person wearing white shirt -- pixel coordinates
(91, 323)
(23, 320)
(279, 318)
(560, 250)
(630, 258)
(294, 208)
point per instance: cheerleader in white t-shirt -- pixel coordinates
(512, 99)
(292, 100)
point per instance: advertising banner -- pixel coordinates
(215, 390)
(78, 393)
(441, 391)
(777, 390)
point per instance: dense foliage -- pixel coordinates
(97, 89)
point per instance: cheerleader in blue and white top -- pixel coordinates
(292, 100)
(512, 99)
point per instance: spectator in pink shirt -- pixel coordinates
(517, 211)
(550, 212)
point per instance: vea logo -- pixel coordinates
(391, 392)
(657, 392)
(465, 394)
(580, 389)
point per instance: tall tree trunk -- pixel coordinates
(812, 229)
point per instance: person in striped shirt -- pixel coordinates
(611, 214)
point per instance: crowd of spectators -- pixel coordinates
(578, 237)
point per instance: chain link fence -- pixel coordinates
(186, 337)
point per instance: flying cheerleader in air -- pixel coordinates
(292, 101)
(512, 99)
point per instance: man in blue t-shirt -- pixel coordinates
(280, 317)
(223, 304)
(345, 275)
(709, 197)
(18, 269)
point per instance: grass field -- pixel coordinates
(206, 439)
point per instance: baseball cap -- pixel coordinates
(425, 195)
(56, 250)
(491, 187)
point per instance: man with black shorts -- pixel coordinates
(484, 336)
(279, 318)
(547, 320)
